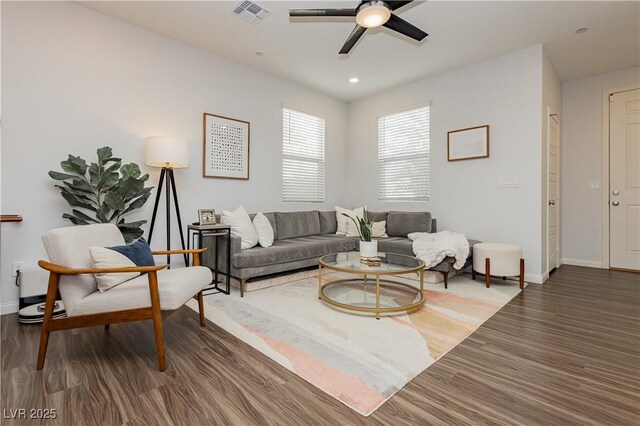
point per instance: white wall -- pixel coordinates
(551, 104)
(582, 162)
(75, 80)
(503, 92)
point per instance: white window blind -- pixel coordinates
(403, 155)
(302, 156)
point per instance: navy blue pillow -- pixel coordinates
(138, 252)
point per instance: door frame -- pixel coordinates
(606, 189)
(550, 116)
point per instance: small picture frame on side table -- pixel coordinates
(206, 216)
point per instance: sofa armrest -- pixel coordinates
(209, 257)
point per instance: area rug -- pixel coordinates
(356, 359)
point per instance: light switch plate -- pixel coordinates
(594, 185)
(512, 182)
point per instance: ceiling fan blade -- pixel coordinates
(393, 5)
(403, 27)
(353, 38)
(321, 12)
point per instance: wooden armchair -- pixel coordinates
(154, 295)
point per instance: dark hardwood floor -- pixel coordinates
(564, 353)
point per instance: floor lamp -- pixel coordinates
(168, 154)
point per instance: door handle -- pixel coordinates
(616, 192)
(552, 202)
(616, 203)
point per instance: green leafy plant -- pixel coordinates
(363, 225)
(106, 190)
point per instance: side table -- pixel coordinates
(216, 231)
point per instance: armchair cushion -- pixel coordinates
(69, 247)
(175, 286)
(135, 254)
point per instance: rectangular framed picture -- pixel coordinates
(225, 147)
(207, 216)
(467, 144)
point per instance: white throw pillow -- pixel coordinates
(379, 229)
(343, 221)
(103, 257)
(264, 230)
(241, 226)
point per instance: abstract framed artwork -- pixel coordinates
(225, 147)
(469, 143)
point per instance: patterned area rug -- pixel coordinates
(356, 359)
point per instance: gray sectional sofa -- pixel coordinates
(302, 237)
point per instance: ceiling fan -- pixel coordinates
(368, 14)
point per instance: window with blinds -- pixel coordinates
(403, 155)
(302, 156)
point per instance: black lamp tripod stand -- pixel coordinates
(167, 172)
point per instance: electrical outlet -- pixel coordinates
(15, 267)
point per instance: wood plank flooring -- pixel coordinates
(566, 353)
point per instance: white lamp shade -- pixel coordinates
(160, 151)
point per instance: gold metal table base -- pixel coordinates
(378, 284)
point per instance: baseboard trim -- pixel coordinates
(534, 278)
(9, 308)
(581, 262)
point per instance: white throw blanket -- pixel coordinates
(433, 248)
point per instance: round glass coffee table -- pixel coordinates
(369, 290)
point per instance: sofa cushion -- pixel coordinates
(396, 245)
(176, 287)
(401, 224)
(293, 249)
(328, 222)
(378, 216)
(297, 224)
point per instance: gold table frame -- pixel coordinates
(379, 282)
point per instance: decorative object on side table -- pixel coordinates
(168, 154)
(225, 147)
(107, 190)
(206, 217)
(364, 225)
(467, 144)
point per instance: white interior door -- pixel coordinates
(553, 184)
(624, 180)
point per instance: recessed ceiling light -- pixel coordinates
(259, 54)
(581, 30)
(354, 80)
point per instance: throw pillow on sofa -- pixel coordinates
(343, 221)
(379, 229)
(264, 230)
(241, 226)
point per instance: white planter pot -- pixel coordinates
(368, 249)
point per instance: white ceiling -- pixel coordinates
(460, 33)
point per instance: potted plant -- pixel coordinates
(106, 190)
(364, 225)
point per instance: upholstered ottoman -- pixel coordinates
(503, 260)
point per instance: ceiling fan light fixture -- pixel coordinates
(373, 14)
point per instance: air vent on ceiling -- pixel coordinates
(250, 12)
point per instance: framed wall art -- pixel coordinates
(225, 147)
(467, 144)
